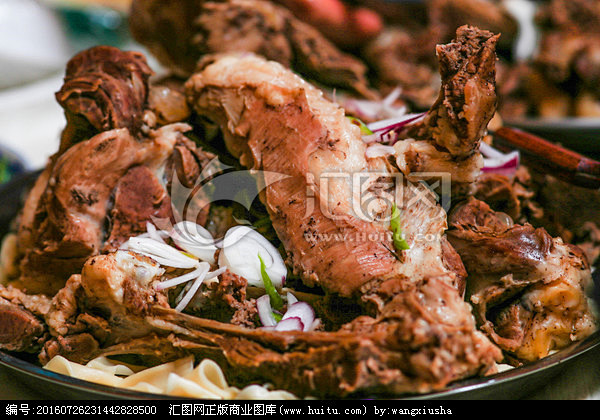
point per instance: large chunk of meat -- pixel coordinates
(181, 32)
(269, 115)
(467, 100)
(22, 326)
(68, 223)
(529, 290)
(447, 139)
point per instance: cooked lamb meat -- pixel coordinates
(401, 351)
(265, 123)
(112, 172)
(104, 88)
(447, 139)
(268, 114)
(22, 326)
(69, 218)
(181, 32)
(529, 290)
(514, 195)
(467, 101)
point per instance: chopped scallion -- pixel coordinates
(276, 299)
(364, 130)
(399, 242)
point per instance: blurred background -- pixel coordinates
(548, 73)
(37, 38)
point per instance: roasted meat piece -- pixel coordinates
(113, 169)
(529, 290)
(267, 115)
(264, 124)
(179, 33)
(23, 328)
(447, 138)
(104, 88)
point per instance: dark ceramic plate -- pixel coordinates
(512, 384)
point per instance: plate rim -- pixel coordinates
(461, 387)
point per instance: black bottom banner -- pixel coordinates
(267, 409)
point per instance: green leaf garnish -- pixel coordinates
(364, 130)
(276, 300)
(399, 242)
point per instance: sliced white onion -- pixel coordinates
(370, 110)
(213, 274)
(489, 151)
(240, 250)
(154, 233)
(194, 239)
(183, 278)
(265, 311)
(290, 324)
(303, 311)
(379, 150)
(160, 252)
(193, 289)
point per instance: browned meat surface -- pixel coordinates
(268, 114)
(104, 88)
(516, 195)
(181, 32)
(112, 173)
(139, 197)
(329, 239)
(467, 101)
(22, 326)
(70, 215)
(529, 290)
(447, 139)
(398, 352)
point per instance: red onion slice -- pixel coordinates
(303, 311)
(290, 324)
(497, 162)
(387, 125)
